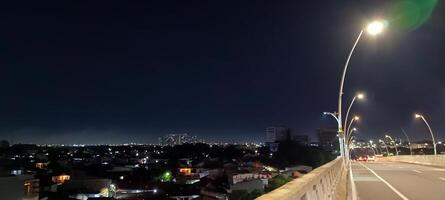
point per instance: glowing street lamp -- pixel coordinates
(334, 115)
(348, 143)
(340, 139)
(350, 136)
(373, 28)
(346, 130)
(353, 129)
(429, 128)
(386, 146)
(395, 145)
(376, 27)
(357, 96)
(355, 118)
(409, 142)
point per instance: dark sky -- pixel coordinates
(115, 72)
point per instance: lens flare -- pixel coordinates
(411, 14)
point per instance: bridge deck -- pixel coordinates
(391, 180)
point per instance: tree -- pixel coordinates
(277, 182)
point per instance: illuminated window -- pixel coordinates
(41, 165)
(61, 179)
(185, 171)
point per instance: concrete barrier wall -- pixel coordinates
(431, 160)
(323, 183)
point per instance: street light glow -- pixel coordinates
(429, 128)
(360, 96)
(375, 27)
(356, 118)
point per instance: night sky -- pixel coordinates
(116, 72)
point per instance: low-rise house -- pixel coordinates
(19, 187)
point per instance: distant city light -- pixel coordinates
(167, 177)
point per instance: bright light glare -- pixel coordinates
(356, 118)
(354, 129)
(360, 96)
(417, 116)
(375, 27)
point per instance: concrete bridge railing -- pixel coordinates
(323, 183)
(431, 160)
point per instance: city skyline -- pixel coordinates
(222, 100)
(89, 73)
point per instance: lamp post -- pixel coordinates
(409, 142)
(356, 118)
(350, 136)
(358, 96)
(348, 141)
(386, 146)
(395, 145)
(373, 28)
(370, 144)
(429, 128)
(335, 116)
(351, 148)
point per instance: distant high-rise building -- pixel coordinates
(300, 138)
(276, 134)
(328, 139)
(178, 139)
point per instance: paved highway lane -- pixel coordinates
(392, 180)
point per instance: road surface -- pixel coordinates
(393, 181)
